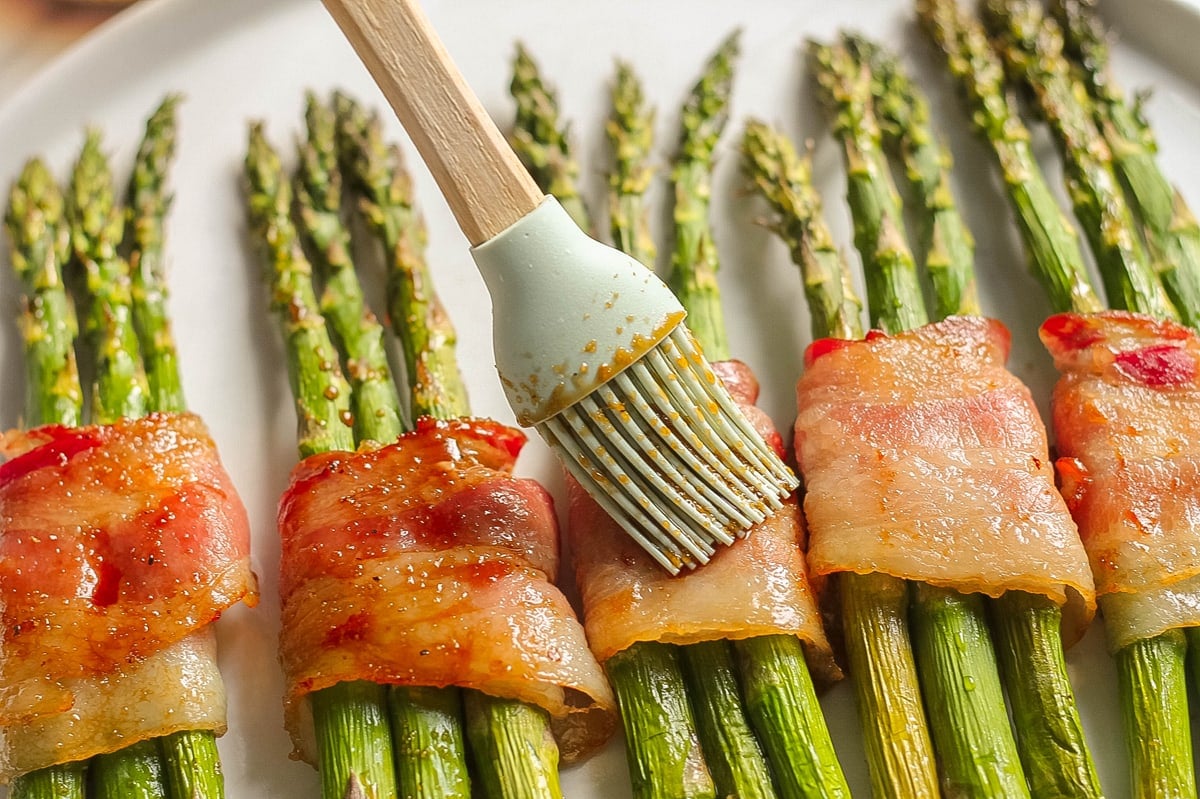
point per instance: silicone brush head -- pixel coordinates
(592, 352)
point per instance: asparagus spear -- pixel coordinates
(958, 671)
(513, 750)
(426, 724)
(354, 743)
(662, 744)
(781, 702)
(1150, 672)
(946, 246)
(630, 131)
(148, 205)
(1032, 47)
(1027, 627)
(1050, 241)
(191, 762)
(38, 235)
(540, 142)
(874, 607)
(1171, 232)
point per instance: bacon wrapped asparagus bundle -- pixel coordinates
(428, 526)
(1150, 658)
(124, 539)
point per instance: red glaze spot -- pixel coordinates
(108, 585)
(510, 439)
(1072, 331)
(1157, 365)
(824, 346)
(353, 629)
(64, 444)
(1073, 480)
(490, 570)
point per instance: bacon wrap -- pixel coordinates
(924, 458)
(1126, 416)
(757, 586)
(118, 543)
(426, 563)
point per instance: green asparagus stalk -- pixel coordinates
(375, 400)
(38, 236)
(513, 750)
(732, 751)
(1027, 629)
(148, 205)
(1168, 226)
(874, 607)
(784, 180)
(541, 142)
(39, 239)
(946, 247)
(426, 723)
(1032, 47)
(630, 130)
(957, 664)
(661, 741)
(1150, 674)
(1051, 242)
(191, 762)
(694, 260)
(97, 226)
(135, 772)
(354, 741)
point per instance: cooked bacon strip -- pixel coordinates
(757, 586)
(924, 458)
(426, 562)
(1127, 422)
(118, 542)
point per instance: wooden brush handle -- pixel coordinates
(487, 188)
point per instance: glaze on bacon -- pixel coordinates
(426, 562)
(118, 543)
(757, 586)
(924, 458)
(1127, 423)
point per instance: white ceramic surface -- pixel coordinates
(236, 61)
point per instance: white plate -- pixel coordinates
(236, 61)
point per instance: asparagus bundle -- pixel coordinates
(1155, 717)
(1168, 226)
(1026, 626)
(398, 740)
(354, 739)
(129, 333)
(515, 753)
(780, 717)
(956, 660)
